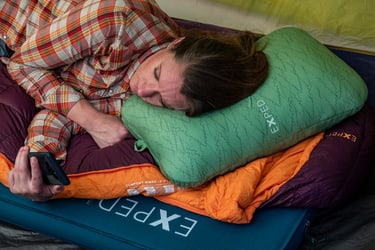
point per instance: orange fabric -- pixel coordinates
(144, 179)
(233, 197)
(5, 167)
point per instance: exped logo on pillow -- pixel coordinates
(270, 119)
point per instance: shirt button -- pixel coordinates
(111, 91)
(5, 37)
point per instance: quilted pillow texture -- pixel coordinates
(308, 90)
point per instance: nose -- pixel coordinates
(147, 90)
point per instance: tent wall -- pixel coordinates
(342, 23)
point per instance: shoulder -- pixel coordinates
(125, 6)
(146, 10)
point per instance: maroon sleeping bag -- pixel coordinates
(337, 167)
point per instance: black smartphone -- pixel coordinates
(52, 172)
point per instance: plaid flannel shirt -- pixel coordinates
(68, 50)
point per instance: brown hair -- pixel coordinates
(220, 70)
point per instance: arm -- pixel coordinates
(96, 36)
(67, 41)
(88, 47)
(105, 129)
(83, 33)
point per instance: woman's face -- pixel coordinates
(158, 81)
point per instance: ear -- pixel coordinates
(175, 42)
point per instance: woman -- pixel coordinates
(80, 60)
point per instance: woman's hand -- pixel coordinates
(28, 181)
(106, 130)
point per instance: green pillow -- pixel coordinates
(308, 90)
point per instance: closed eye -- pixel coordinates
(157, 72)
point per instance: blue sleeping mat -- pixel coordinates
(145, 223)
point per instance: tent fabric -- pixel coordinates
(343, 23)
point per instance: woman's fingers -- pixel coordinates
(26, 178)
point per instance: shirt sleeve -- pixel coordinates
(104, 34)
(55, 45)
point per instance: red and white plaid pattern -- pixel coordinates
(69, 50)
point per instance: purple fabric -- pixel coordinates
(337, 167)
(16, 111)
(84, 155)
